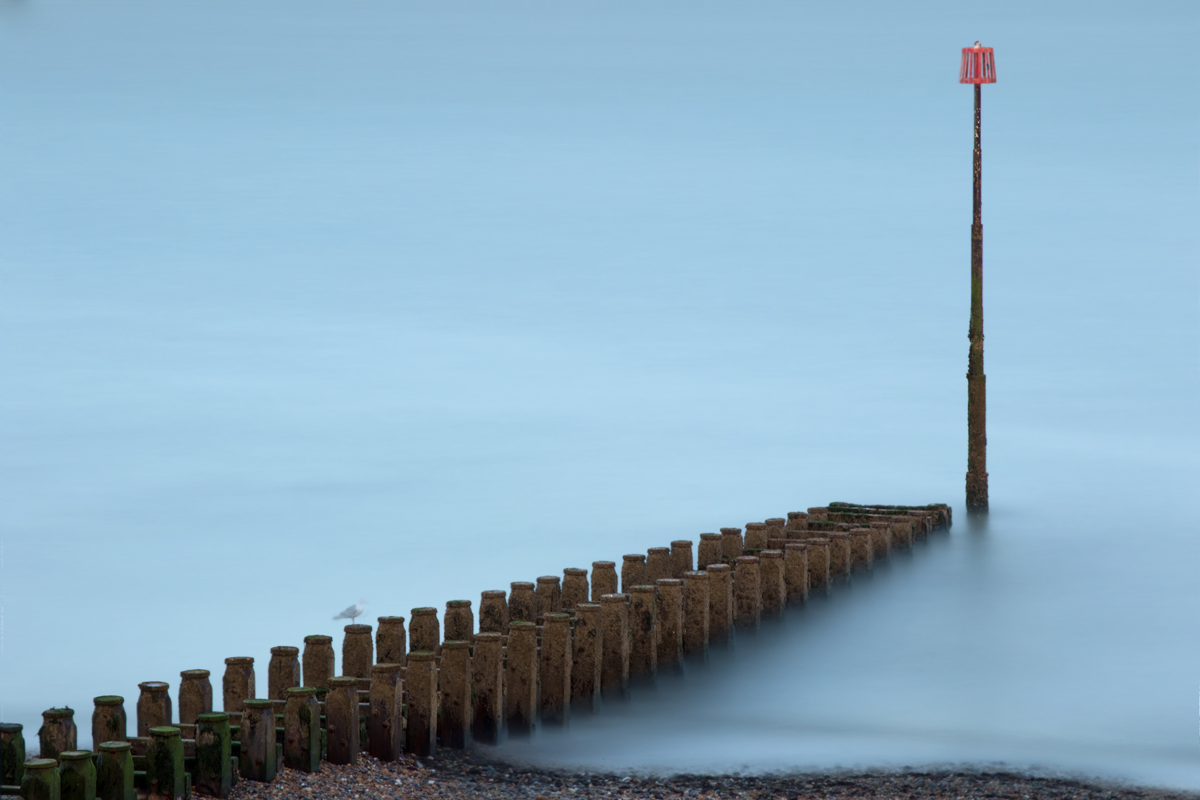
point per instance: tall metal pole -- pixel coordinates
(977, 477)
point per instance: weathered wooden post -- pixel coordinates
(165, 776)
(385, 739)
(195, 695)
(114, 772)
(696, 611)
(643, 633)
(747, 592)
(424, 633)
(76, 775)
(554, 670)
(454, 710)
(522, 678)
(756, 536)
(795, 571)
(342, 720)
(358, 652)
(256, 759)
(547, 596)
(493, 612)
(237, 685)
(668, 613)
(818, 565)
(776, 528)
(487, 667)
(710, 550)
(633, 571)
(318, 660)
(283, 673)
(720, 597)
(420, 683)
(522, 606)
(40, 780)
(881, 538)
(459, 624)
(109, 723)
(658, 565)
(153, 706)
(681, 558)
(978, 67)
(731, 543)
(574, 588)
(58, 732)
(797, 523)
(774, 590)
(614, 670)
(302, 730)
(214, 746)
(587, 651)
(862, 548)
(841, 557)
(12, 753)
(391, 646)
(604, 579)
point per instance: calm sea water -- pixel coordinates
(311, 302)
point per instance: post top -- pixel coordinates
(58, 713)
(603, 564)
(41, 763)
(695, 575)
(318, 638)
(575, 572)
(108, 700)
(978, 65)
(520, 585)
(259, 702)
(115, 747)
(455, 644)
(153, 686)
(669, 582)
(775, 521)
(547, 579)
(755, 525)
(424, 611)
(681, 543)
(493, 594)
(747, 559)
(708, 537)
(11, 727)
(770, 554)
(717, 568)
(215, 716)
(285, 650)
(75, 755)
(730, 531)
(643, 589)
(557, 618)
(357, 627)
(301, 691)
(391, 621)
(194, 673)
(168, 731)
(458, 604)
(634, 557)
(612, 598)
(340, 682)
(658, 549)
(239, 661)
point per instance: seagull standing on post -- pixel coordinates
(352, 612)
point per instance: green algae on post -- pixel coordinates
(213, 774)
(109, 723)
(58, 732)
(114, 772)
(302, 730)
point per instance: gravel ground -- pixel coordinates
(455, 775)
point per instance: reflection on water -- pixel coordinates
(306, 304)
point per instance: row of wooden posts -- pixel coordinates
(541, 650)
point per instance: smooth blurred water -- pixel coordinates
(307, 302)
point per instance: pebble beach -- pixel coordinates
(462, 775)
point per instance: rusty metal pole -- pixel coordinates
(977, 477)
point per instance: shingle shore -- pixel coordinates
(457, 776)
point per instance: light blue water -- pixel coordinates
(306, 302)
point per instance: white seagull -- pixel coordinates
(352, 612)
